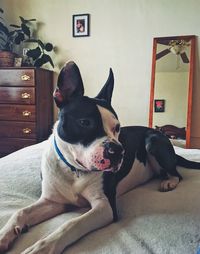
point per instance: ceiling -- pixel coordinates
(171, 62)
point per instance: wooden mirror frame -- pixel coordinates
(190, 80)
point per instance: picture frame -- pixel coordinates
(159, 105)
(81, 25)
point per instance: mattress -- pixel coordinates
(150, 222)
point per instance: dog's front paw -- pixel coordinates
(43, 246)
(7, 237)
(4, 244)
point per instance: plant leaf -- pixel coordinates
(22, 20)
(16, 26)
(41, 44)
(34, 53)
(32, 40)
(26, 30)
(3, 34)
(31, 20)
(43, 60)
(3, 39)
(51, 62)
(48, 47)
(13, 32)
(39, 62)
(46, 58)
(4, 29)
(17, 40)
(25, 21)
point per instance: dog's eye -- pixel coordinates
(85, 122)
(117, 128)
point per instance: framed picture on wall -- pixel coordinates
(159, 105)
(81, 25)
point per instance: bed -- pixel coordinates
(176, 134)
(150, 222)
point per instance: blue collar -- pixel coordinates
(73, 169)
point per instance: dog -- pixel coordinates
(90, 161)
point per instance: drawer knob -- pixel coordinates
(26, 130)
(26, 113)
(25, 95)
(25, 77)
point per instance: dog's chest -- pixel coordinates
(65, 186)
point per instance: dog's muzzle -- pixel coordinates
(105, 157)
(114, 153)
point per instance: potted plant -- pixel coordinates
(39, 54)
(11, 35)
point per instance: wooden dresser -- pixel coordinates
(26, 107)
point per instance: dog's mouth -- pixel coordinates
(100, 168)
(81, 164)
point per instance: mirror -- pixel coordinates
(171, 87)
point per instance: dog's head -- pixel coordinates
(89, 126)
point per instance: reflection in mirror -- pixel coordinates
(171, 87)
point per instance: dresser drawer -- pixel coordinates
(17, 112)
(9, 145)
(26, 107)
(17, 129)
(17, 95)
(17, 77)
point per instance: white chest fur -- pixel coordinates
(62, 185)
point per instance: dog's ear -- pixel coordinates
(106, 91)
(69, 85)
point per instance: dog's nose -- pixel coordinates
(114, 152)
(114, 149)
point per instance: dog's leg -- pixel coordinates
(169, 180)
(161, 149)
(167, 161)
(40, 211)
(98, 216)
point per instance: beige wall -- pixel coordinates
(173, 88)
(121, 38)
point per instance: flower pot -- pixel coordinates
(7, 59)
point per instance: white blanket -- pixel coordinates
(150, 222)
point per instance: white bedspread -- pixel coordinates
(151, 222)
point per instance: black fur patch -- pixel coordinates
(70, 128)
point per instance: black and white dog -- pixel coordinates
(89, 162)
